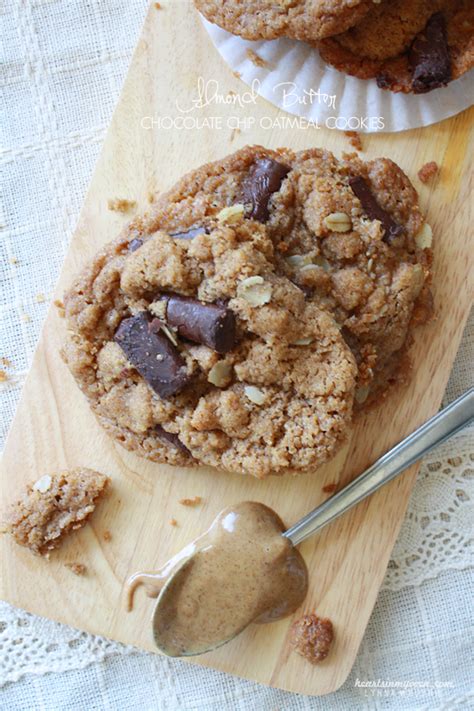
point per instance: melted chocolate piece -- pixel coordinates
(189, 234)
(373, 210)
(265, 178)
(211, 325)
(429, 56)
(152, 354)
(171, 438)
(135, 244)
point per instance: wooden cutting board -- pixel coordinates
(53, 427)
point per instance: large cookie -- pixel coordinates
(300, 281)
(408, 45)
(299, 19)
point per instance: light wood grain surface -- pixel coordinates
(53, 427)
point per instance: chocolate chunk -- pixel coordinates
(429, 56)
(135, 244)
(308, 291)
(265, 178)
(373, 210)
(189, 234)
(383, 81)
(152, 354)
(211, 325)
(171, 438)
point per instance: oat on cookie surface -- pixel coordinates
(281, 241)
(408, 45)
(53, 506)
(299, 19)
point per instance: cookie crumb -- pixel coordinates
(354, 140)
(255, 58)
(237, 74)
(234, 133)
(107, 536)
(13, 260)
(158, 6)
(428, 171)
(53, 506)
(5, 362)
(40, 298)
(329, 488)
(77, 568)
(151, 197)
(60, 307)
(173, 521)
(121, 205)
(195, 501)
(3, 376)
(311, 636)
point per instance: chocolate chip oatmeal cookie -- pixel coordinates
(407, 45)
(269, 19)
(224, 327)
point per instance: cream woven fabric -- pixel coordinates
(64, 62)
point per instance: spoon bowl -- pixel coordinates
(168, 641)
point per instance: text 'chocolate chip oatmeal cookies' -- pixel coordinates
(232, 324)
(53, 506)
(407, 45)
(299, 19)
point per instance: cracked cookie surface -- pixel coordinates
(381, 44)
(269, 19)
(315, 285)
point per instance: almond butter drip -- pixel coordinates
(241, 570)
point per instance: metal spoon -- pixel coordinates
(436, 430)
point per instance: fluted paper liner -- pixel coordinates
(331, 98)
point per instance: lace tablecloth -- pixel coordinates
(64, 64)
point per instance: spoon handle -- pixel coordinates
(436, 430)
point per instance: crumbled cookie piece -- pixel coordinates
(53, 506)
(428, 171)
(158, 6)
(354, 139)
(311, 637)
(107, 536)
(329, 488)
(255, 58)
(195, 501)
(14, 260)
(3, 376)
(40, 298)
(60, 308)
(121, 205)
(77, 568)
(173, 522)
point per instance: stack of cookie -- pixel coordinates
(410, 46)
(261, 302)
